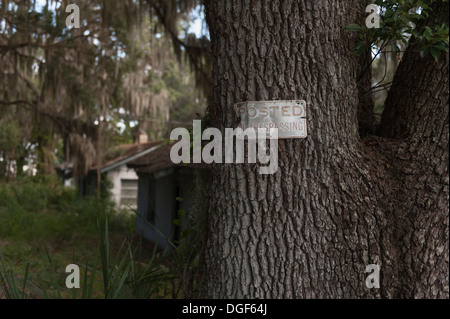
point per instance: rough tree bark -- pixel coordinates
(416, 118)
(337, 203)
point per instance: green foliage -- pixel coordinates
(39, 208)
(123, 276)
(185, 259)
(42, 219)
(9, 283)
(92, 88)
(187, 102)
(10, 135)
(434, 41)
(398, 23)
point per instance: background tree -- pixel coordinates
(78, 85)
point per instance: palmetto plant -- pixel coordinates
(122, 275)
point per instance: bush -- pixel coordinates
(121, 276)
(35, 208)
(45, 226)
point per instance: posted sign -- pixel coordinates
(289, 117)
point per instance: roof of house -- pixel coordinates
(158, 160)
(129, 153)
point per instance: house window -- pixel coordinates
(129, 192)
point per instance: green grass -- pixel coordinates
(44, 227)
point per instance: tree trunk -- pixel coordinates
(46, 153)
(365, 113)
(337, 203)
(416, 117)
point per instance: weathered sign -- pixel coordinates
(289, 117)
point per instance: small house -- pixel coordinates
(122, 179)
(166, 196)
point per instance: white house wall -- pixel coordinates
(115, 176)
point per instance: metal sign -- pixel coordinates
(289, 117)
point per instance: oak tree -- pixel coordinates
(339, 201)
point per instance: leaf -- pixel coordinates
(359, 47)
(353, 27)
(428, 33)
(424, 51)
(395, 48)
(435, 53)
(27, 269)
(177, 222)
(441, 46)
